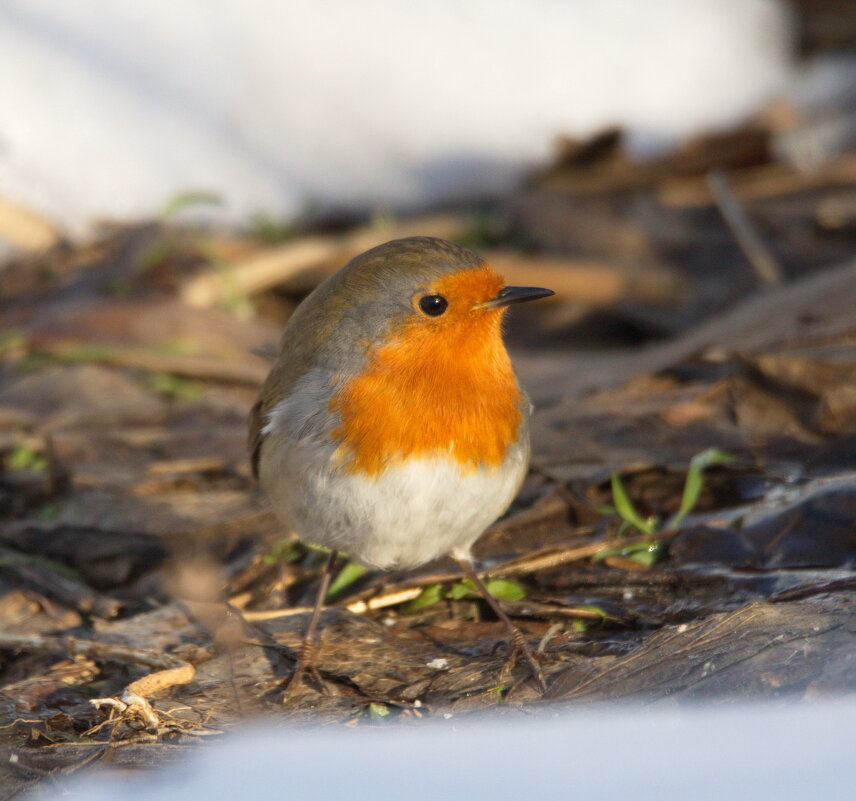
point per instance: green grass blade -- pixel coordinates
(506, 590)
(428, 597)
(378, 711)
(596, 609)
(625, 508)
(649, 556)
(629, 551)
(184, 200)
(346, 576)
(695, 481)
(460, 589)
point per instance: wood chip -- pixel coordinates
(25, 229)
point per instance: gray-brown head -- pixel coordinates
(420, 280)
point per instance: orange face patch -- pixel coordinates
(441, 386)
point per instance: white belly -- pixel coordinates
(406, 516)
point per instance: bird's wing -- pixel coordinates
(255, 437)
(296, 405)
(276, 386)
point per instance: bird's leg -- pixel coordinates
(518, 641)
(308, 649)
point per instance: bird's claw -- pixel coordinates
(306, 663)
(519, 647)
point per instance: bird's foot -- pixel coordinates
(520, 648)
(306, 664)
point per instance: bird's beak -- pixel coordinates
(514, 294)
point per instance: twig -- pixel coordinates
(200, 464)
(808, 590)
(546, 559)
(551, 632)
(250, 371)
(762, 260)
(132, 706)
(550, 558)
(384, 600)
(590, 282)
(254, 616)
(62, 589)
(61, 644)
(397, 595)
(759, 183)
(538, 610)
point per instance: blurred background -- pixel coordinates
(176, 177)
(576, 130)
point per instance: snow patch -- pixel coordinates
(111, 108)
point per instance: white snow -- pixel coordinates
(108, 109)
(823, 95)
(658, 752)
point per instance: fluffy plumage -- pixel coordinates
(384, 432)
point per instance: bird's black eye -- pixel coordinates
(433, 305)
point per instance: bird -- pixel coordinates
(392, 426)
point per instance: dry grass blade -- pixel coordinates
(551, 558)
(375, 598)
(257, 615)
(382, 600)
(762, 260)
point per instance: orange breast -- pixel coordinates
(436, 389)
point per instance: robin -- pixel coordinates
(392, 426)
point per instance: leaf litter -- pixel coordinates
(686, 531)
